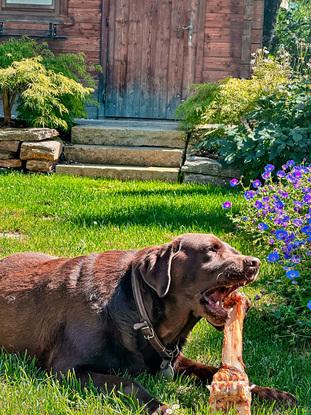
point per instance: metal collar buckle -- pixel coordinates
(147, 330)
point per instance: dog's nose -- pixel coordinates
(252, 261)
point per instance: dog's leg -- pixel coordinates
(205, 373)
(109, 383)
(188, 367)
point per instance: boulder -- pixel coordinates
(11, 164)
(206, 179)
(44, 150)
(9, 145)
(27, 134)
(6, 155)
(39, 166)
(210, 167)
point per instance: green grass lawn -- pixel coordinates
(72, 216)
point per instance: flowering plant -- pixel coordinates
(277, 214)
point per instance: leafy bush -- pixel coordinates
(277, 129)
(293, 34)
(277, 216)
(41, 94)
(71, 66)
(230, 100)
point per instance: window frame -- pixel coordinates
(38, 13)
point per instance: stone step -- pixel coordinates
(125, 134)
(119, 172)
(118, 155)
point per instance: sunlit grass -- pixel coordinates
(73, 216)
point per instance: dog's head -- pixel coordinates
(199, 271)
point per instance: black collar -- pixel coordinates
(147, 330)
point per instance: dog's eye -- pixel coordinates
(212, 249)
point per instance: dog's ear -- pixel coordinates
(155, 267)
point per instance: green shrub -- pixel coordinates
(278, 128)
(230, 100)
(41, 94)
(69, 65)
(293, 34)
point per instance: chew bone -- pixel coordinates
(230, 387)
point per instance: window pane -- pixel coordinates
(31, 2)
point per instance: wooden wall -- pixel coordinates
(232, 30)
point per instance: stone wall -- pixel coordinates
(32, 149)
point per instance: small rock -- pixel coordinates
(44, 150)
(27, 134)
(206, 179)
(11, 164)
(6, 155)
(9, 145)
(39, 166)
(205, 165)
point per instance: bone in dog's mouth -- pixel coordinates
(213, 302)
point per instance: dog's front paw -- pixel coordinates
(271, 394)
(166, 410)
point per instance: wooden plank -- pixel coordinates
(147, 89)
(130, 104)
(161, 57)
(222, 50)
(200, 41)
(223, 6)
(176, 58)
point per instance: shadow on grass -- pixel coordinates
(161, 215)
(187, 190)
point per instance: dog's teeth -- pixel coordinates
(218, 303)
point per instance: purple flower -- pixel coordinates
(309, 305)
(281, 234)
(258, 204)
(234, 182)
(266, 175)
(281, 173)
(291, 274)
(271, 241)
(297, 174)
(298, 222)
(279, 204)
(295, 259)
(307, 198)
(273, 257)
(256, 184)
(306, 230)
(263, 226)
(227, 205)
(249, 194)
(283, 194)
(269, 168)
(290, 163)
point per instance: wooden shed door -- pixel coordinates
(153, 49)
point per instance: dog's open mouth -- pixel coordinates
(213, 303)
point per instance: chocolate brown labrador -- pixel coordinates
(80, 313)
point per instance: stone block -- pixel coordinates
(210, 167)
(206, 179)
(27, 134)
(6, 155)
(40, 166)
(44, 150)
(9, 145)
(11, 164)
